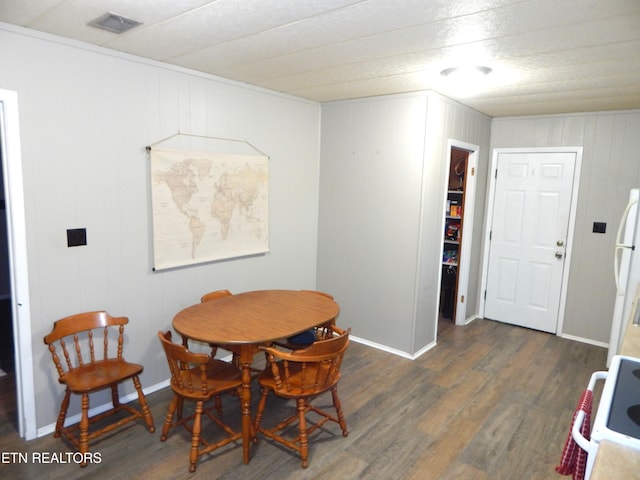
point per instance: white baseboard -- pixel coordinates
(424, 350)
(575, 338)
(394, 351)
(471, 319)
(49, 429)
(379, 346)
(584, 340)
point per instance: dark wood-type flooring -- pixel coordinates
(491, 401)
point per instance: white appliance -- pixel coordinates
(618, 416)
(627, 271)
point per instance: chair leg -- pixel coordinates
(302, 425)
(195, 437)
(338, 407)
(115, 398)
(146, 413)
(259, 412)
(180, 404)
(218, 403)
(64, 406)
(168, 421)
(83, 445)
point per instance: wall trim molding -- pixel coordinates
(584, 340)
(133, 396)
(394, 351)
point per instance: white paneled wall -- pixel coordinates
(370, 189)
(86, 115)
(382, 184)
(611, 166)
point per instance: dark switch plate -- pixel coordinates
(599, 227)
(76, 237)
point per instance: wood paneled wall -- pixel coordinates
(86, 115)
(382, 197)
(611, 166)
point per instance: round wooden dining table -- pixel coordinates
(245, 321)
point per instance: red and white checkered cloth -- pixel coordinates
(574, 458)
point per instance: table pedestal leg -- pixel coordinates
(246, 410)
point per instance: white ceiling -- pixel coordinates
(547, 56)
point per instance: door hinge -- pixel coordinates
(496, 175)
(473, 171)
(490, 234)
(462, 299)
(485, 294)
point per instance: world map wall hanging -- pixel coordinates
(208, 206)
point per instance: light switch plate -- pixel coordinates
(599, 227)
(76, 237)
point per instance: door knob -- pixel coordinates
(559, 243)
(558, 254)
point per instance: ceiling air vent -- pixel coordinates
(114, 23)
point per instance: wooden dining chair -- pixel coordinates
(76, 343)
(209, 297)
(302, 375)
(306, 338)
(235, 352)
(198, 378)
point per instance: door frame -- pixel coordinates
(471, 174)
(491, 191)
(18, 271)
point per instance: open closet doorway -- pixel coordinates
(18, 278)
(457, 231)
(7, 350)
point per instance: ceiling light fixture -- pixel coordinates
(114, 23)
(462, 82)
(477, 72)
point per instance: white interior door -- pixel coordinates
(14, 193)
(531, 209)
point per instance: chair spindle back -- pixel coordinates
(310, 370)
(78, 330)
(188, 370)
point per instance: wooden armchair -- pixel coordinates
(235, 351)
(304, 339)
(192, 378)
(302, 375)
(209, 297)
(72, 338)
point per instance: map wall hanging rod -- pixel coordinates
(204, 137)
